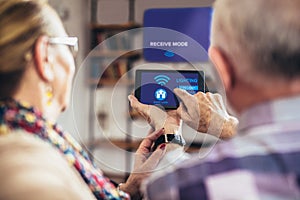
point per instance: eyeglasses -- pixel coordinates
(72, 42)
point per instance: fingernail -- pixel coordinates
(162, 147)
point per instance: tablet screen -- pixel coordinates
(155, 87)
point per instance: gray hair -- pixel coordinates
(261, 37)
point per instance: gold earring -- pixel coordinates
(28, 56)
(49, 95)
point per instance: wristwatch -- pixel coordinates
(168, 138)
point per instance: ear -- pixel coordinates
(223, 66)
(43, 61)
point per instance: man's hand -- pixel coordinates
(206, 113)
(156, 117)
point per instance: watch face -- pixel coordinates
(155, 87)
(168, 138)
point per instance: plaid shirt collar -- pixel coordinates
(279, 111)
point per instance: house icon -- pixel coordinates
(160, 94)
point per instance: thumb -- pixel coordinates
(136, 104)
(133, 100)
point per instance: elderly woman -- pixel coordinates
(38, 159)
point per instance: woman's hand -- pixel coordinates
(145, 163)
(206, 113)
(156, 117)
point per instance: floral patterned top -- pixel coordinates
(19, 115)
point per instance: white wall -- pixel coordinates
(116, 11)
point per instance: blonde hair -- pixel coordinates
(21, 22)
(262, 38)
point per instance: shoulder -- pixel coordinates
(33, 169)
(232, 169)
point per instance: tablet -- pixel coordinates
(155, 87)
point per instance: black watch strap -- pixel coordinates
(168, 138)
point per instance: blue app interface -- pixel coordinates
(181, 38)
(157, 88)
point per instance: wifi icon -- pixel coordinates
(169, 54)
(161, 79)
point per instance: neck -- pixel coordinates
(243, 95)
(32, 90)
(38, 102)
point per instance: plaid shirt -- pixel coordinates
(262, 162)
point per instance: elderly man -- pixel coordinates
(256, 49)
